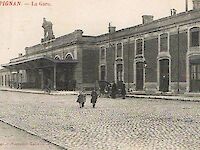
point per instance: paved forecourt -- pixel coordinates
(129, 124)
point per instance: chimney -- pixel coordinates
(173, 12)
(147, 19)
(78, 33)
(111, 29)
(20, 55)
(196, 4)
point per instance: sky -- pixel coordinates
(20, 26)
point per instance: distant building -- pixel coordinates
(157, 55)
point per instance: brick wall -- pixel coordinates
(129, 50)
(90, 62)
(182, 56)
(150, 54)
(110, 55)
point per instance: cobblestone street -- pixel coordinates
(130, 124)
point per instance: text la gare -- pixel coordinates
(40, 3)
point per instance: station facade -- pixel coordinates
(157, 55)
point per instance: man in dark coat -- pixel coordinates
(123, 92)
(94, 97)
(114, 91)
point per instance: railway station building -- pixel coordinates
(158, 55)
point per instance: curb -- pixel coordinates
(33, 134)
(164, 98)
(175, 98)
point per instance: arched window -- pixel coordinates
(194, 36)
(69, 56)
(57, 57)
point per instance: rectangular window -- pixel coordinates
(139, 47)
(193, 72)
(103, 53)
(103, 73)
(119, 50)
(195, 39)
(164, 42)
(119, 72)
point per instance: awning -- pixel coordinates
(36, 62)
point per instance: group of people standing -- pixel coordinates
(114, 91)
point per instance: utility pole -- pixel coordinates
(128, 61)
(178, 78)
(186, 5)
(110, 47)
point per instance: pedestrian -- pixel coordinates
(84, 97)
(80, 99)
(123, 92)
(114, 91)
(48, 86)
(94, 97)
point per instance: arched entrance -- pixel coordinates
(164, 75)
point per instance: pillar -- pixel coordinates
(42, 78)
(54, 77)
(17, 79)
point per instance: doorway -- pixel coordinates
(164, 75)
(139, 76)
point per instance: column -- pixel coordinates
(42, 78)
(54, 77)
(17, 79)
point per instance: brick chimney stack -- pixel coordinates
(147, 18)
(111, 29)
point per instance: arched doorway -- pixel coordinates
(164, 75)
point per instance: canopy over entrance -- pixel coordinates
(37, 62)
(37, 71)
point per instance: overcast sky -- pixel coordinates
(21, 26)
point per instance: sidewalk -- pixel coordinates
(38, 91)
(12, 138)
(193, 97)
